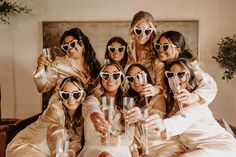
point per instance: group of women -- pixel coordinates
(176, 94)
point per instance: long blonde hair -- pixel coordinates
(139, 17)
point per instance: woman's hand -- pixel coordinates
(149, 90)
(185, 97)
(42, 60)
(133, 115)
(100, 124)
(154, 122)
(113, 139)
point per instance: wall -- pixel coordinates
(21, 43)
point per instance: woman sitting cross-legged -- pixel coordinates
(195, 125)
(61, 121)
(100, 124)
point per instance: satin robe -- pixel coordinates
(59, 69)
(200, 133)
(93, 146)
(39, 138)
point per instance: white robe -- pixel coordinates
(200, 132)
(93, 146)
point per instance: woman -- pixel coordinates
(199, 132)
(116, 51)
(155, 105)
(79, 60)
(141, 37)
(109, 84)
(170, 46)
(61, 121)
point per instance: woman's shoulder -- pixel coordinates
(54, 110)
(91, 99)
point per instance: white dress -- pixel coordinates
(93, 146)
(200, 133)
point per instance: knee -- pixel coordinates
(105, 154)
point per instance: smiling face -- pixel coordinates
(169, 54)
(111, 84)
(73, 100)
(142, 38)
(136, 85)
(180, 73)
(116, 51)
(75, 52)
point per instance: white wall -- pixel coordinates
(21, 42)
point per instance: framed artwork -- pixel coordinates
(99, 32)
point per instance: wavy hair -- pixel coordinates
(78, 114)
(122, 42)
(191, 81)
(139, 17)
(89, 54)
(98, 90)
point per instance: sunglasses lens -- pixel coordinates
(148, 31)
(121, 49)
(138, 76)
(165, 47)
(72, 44)
(181, 74)
(65, 47)
(116, 76)
(137, 31)
(157, 47)
(112, 49)
(65, 96)
(130, 79)
(105, 76)
(169, 74)
(76, 95)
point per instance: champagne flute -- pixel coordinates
(143, 131)
(175, 87)
(48, 56)
(128, 103)
(143, 81)
(108, 108)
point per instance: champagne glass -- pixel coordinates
(128, 103)
(47, 54)
(143, 131)
(175, 87)
(108, 109)
(62, 147)
(62, 144)
(143, 81)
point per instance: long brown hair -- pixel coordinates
(191, 81)
(78, 114)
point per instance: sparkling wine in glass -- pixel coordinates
(108, 109)
(143, 81)
(175, 87)
(128, 103)
(143, 131)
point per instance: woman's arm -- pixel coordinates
(177, 124)
(45, 80)
(207, 88)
